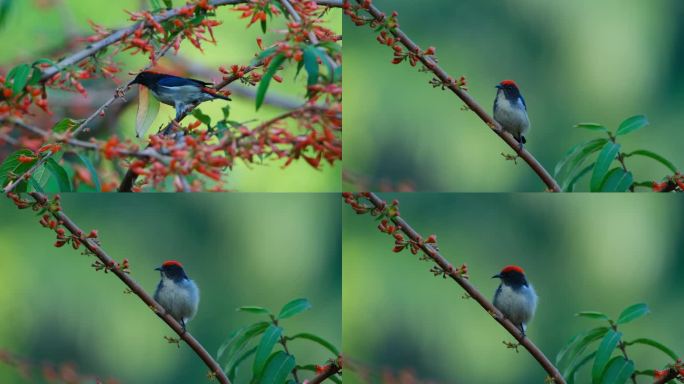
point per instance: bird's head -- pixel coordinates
(512, 275)
(146, 78)
(172, 269)
(509, 88)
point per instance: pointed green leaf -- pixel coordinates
(592, 127)
(266, 78)
(59, 174)
(632, 124)
(310, 59)
(573, 157)
(205, 119)
(578, 344)
(603, 353)
(268, 341)
(633, 312)
(278, 367)
(654, 156)
(20, 75)
(603, 162)
(618, 371)
(11, 163)
(93, 173)
(294, 307)
(237, 339)
(317, 339)
(572, 370)
(656, 345)
(65, 125)
(232, 368)
(592, 315)
(617, 180)
(253, 309)
(570, 187)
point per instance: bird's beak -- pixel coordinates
(499, 86)
(496, 276)
(158, 269)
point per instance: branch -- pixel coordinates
(448, 270)
(95, 248)
(672, 374)
(333, 368)
(312, 36)
(449, 82)
(122, 33)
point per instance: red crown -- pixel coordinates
(512, 268)
(509, 82)
(169, 263)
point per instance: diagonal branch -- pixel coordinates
(333, 368)
(449, 270)
(95, 248)
(449, 82)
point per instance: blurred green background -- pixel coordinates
(579, 61)
(31, 31)
(241, 249)
(581, 252)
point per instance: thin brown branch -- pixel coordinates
(672, 374)
(449, 82)
(470, 289)
(97, 250)
(333, 368)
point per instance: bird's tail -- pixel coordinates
(215, 94)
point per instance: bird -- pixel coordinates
(180, 92)
(176, 293)
(510, 111)
(515, 297)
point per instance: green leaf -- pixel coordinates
(571, 185)
(205, 119)
(266, 79)
(618, 371)
(11, 163)
(65, 125)
(632, 124)
(237, 339)
(294, 307)
(36, 185)
(268, 341)
(656, 345)
(310, 59)
(617, 180)
(262, 23)
(574, 156)
(233, 367)
(20, 75)
(93, 173)
(317, 339)
(570, 375)
(654, 156)
(603, 162)
(59, 174)
(592, 127)
(633, 312)
(578, 344)
(278, 367)
(264, 54)
(592, 315)
(168, 3)
(253, 309)
(603, 353)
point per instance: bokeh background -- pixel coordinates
(581, 252)
(241, 249)
(46, 28)
(580, 61)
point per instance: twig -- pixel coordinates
(333, 368)
(448, 82)
(312, 37)
(93, 247)
(672, 374)
(470, 289)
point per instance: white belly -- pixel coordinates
(518, 306)
(179, 300)
(514, 120)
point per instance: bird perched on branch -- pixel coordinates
(510, 110)
(176, 293)
(515, 297)
(180, 92)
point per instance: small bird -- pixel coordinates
(176, 293)
(515, 297)
(180, 92)
(510, 111)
